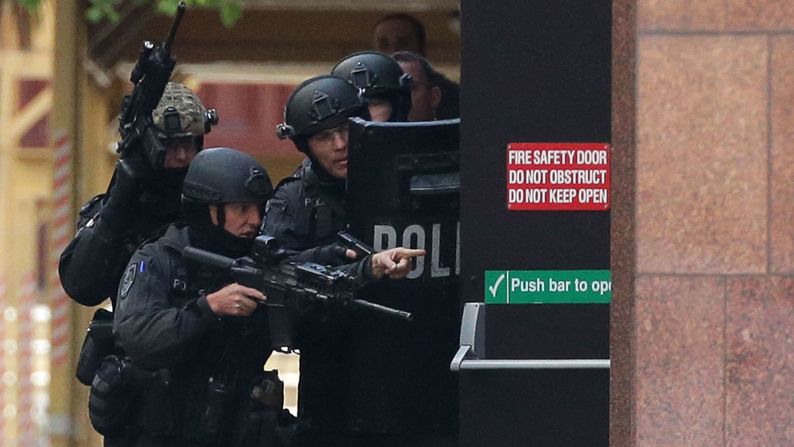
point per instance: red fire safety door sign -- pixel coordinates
(558, 176)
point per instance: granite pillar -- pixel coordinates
(703, 223)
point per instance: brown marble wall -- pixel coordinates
(703, 315)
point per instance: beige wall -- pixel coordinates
(711, 347)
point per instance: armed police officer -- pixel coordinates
(308, 208)
(400, 391)
(382, 83)
(195, 340)
(426, 83)
(199, 334)
(307, 211)
(141, 201)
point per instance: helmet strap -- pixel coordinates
(221, 215)
(302, 144)
(322, 175)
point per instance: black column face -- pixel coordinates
(533, 71)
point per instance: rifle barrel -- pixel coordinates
(180, 11)
(390, 311)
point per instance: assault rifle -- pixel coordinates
(288, 285)
(150, 76)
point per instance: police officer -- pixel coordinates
(309, 207)
(307, 211)
(426, 85)
(192, 326)
(316, 121)
(199, 335)
(381, 81)
(141, 201)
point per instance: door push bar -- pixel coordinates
(472, 349)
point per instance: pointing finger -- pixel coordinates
(410, 252)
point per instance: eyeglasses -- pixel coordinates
(329, 134)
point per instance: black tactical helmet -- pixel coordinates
(224, 175)
(217, 176)
(319, 103)
(377, 75)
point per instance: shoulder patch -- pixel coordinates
(128, 279)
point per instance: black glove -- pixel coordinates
(332, 255)
(123, 202)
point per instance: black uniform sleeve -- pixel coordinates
(91, 265)
(155, 330)
(361, 270)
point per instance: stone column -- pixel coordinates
(703, 256)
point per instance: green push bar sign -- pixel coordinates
(548, 286)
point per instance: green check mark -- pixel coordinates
(495, 287)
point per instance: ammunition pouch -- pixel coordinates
(120, 388)
(110, 398)
(97, 345)
(263, 421)
(212, 418)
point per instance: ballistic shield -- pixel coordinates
(403, 190)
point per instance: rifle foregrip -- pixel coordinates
(351, 242)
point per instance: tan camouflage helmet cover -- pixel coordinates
(190, 109)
